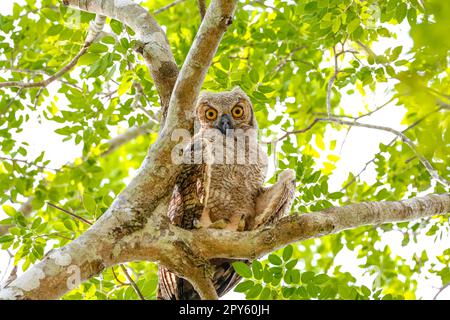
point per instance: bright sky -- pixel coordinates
(41, 137)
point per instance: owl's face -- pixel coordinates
(225, 111)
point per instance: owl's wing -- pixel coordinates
(275, 201)
(185, 207)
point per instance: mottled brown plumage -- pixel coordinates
(224, 189)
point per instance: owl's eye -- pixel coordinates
(237, 111)
(211, 114)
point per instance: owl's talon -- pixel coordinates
(241, 225)
(197, 224)
(219, 224)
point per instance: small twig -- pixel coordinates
(167, 7)
(283, 61)
(399, 134)
(36, 100)
(388, 145)
(69, 213)
(362, 116)
(28, 163)
(13, 99)
(440, 290)
(117, 278)
(288, 133)
(7, 267)
(132, 283)
(136, 102)
(377, 108)
(50, 79)
(331, 82)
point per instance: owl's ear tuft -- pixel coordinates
(238, 89)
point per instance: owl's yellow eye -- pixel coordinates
(211, 114)
(237, 111)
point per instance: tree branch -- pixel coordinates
(211, 243)
(28, 163)
(155, 47)
(132, 282)
(187, 87)
(167, 7)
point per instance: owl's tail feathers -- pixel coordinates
(172, 287)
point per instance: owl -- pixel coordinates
(221, 184)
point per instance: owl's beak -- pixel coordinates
(225, 123)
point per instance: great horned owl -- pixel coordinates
(221, 184)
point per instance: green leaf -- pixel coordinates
(254, 76)
(257, 270)
(307, 276)
(10, 211)
(36, 223)
(265, 294)
(50, 14)
(254, 291)
(54, 30)
(275, 260)
(401, 11)
(125, 85)
(88, 58)
(320, 279)
(7, 238)
(116, 26)
(89, 203)
(365, 291)
(244, 286)
(242, 269)
(353, 25)
(291, 264)
(287, 253)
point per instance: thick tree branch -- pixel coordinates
(184, 250)
(155, 47)
(212, 243)
(217, 19)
